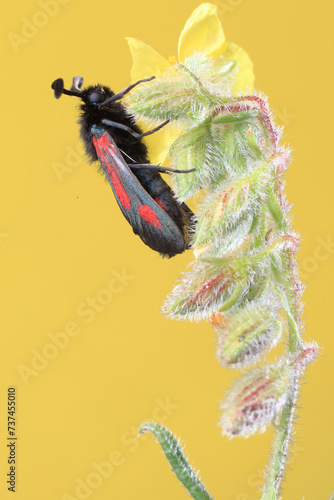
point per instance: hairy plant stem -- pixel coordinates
(275, 474)
(275, 471)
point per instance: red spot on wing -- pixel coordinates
(103, 142)
(103, 147)
(161, 204)
(119, 189)
(149, 215)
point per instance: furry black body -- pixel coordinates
(133, 149)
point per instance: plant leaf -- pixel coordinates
(178, 462)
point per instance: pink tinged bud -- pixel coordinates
(205, 289)
(222, 210)
(245, 335)
(255, 400)
(307, 355)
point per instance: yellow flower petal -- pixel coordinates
(202, 32)
(236, 67)
(146, 61)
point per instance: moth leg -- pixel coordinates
(153, 130)
(122, 93)
(105, 121)
(158, 168)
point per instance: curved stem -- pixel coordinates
(280, 454)
(289, 301)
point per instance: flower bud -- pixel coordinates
(307, 355)
(233, 238)
(255, 400)
(208, 287)
(222, 210)
(244, 335)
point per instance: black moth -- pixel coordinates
(111, 136)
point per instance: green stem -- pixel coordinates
(295, 342)
(280, 454)
(289, 301)
(276, 470)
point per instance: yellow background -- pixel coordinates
(61, 242)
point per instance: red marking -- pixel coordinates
(209, 288)
(161, 204)
(102, 146)
(252, 384)
(256, 392)
(103, 142)
(148, 214)
(250, 102)
(225, 195)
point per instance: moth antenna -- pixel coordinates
(58, 87)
